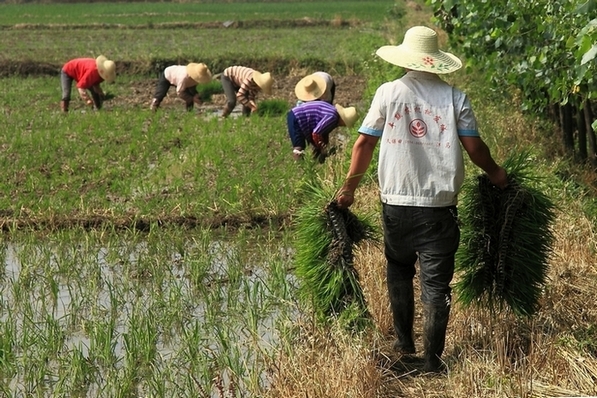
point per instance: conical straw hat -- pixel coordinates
(420, 51)
(106, 68)
(310, 88)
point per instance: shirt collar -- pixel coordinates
(415, 74)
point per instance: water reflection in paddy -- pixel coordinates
(177, 310)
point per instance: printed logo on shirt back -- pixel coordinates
(417, 128)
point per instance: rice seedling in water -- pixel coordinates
(324, 260)
(506, 240)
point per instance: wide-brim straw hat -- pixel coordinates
(420, 51)
(264, 81)
(348, 115)
(310, 88)
(106, 68)
(199, 72)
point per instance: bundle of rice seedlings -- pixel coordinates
(324, 262)
(207, 90)
(506, 240)
(273, 107)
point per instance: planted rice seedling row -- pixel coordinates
(107, 315)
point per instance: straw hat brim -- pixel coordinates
(439, 62)
(264, 81)
(106, 68)
(199, 72)
(310, 88)
(348, 115)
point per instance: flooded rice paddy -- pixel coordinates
(106, 315)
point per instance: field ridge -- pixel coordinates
(141, 223)
(250, 24)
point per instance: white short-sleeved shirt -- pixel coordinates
(419, 119)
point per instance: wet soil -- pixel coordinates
(349, 90)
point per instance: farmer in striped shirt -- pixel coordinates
(311, 124)
(243, 84)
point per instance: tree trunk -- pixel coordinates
(582, 134)
(592, 147)
(567, 129)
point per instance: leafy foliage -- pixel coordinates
(525, 44)
(543, 51)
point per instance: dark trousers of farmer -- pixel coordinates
(66, 82)
(431, 236)
(164, 85)
(296, 136)
(230, 90)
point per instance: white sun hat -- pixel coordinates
(199, 72)
(348, 115)
(310, 88)
(264, 81)
(420, 51)
(106, 68)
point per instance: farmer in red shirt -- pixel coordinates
(88, 73)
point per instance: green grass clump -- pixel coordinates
(506, 240)
(329, 281)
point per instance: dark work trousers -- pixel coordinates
(164, 85)
(230, 90)
(429, 234)
(296, 136)
(66, 83)
(332, 93)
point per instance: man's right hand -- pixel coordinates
(499, 178)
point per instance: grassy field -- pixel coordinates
(134, 14)
(151, 254)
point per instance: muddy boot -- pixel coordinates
(64, 106)
(402, 301)
(155, 104)
(436, 323)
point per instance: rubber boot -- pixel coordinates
(64, 106)
(155, 104)
(434, 336)
(402, 301)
